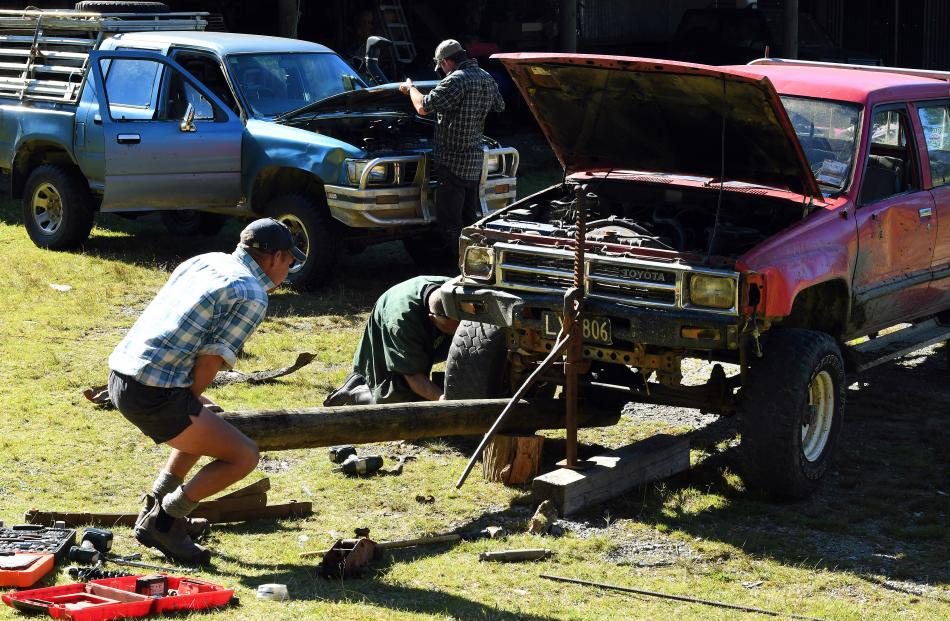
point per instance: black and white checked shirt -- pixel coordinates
(462, 100)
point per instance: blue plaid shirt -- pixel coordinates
(461, 101)
(210, 306)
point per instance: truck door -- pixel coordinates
(154, 157)
(935, 123)
(895, 218)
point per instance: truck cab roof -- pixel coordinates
(221, 43)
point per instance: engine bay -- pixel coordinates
(650, 215)
(374, 133)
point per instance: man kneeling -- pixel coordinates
(405, 335)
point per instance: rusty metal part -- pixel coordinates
(348, 558)
(573, 321)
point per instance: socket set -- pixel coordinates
(35, 538)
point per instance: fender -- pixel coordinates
(820, 248)
(269, 145)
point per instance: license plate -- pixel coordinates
(596, 329)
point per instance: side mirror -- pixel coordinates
(188, 121)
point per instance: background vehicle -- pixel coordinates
(766, 216)
(99, 115)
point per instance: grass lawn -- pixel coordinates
(873, 544)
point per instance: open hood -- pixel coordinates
(384, 97)
(610, 112)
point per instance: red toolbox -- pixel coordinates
(24, 569)
(114, 598)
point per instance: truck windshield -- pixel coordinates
(273, 84)
(828, 132)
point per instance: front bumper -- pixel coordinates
(633, 325)
(411, 199)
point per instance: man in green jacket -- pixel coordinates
(406, 333)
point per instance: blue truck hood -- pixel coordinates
(385, 97)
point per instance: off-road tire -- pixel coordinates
(57, 207)
(314, 231)
(775, 409)
(477, 366)
(119, 6)
(191, 223)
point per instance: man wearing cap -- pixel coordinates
(195, 326)
(461, 101)
(406, 333)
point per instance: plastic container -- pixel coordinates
(191, 593)
(25, 570)
(274, 592)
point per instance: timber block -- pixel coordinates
(613, 473)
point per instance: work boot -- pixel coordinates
(174, 544)
(197, 528)
(347, 394)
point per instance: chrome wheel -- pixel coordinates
(299, 230)
(816, 427)
(47, 208)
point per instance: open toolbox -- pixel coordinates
(24, 569)
(36, 539)
(114, 598)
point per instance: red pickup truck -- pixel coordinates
(785, 219)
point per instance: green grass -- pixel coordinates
(837, 556)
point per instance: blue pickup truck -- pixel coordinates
(139, 113)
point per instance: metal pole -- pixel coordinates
(574, 329)
(791, 29)
(568, 25)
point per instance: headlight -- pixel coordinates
(479, 262)
(494, 163)
(355, 168)
(712, 291)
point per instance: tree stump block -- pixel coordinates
(512, 459)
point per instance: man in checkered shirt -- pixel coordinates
(196, 325)
(461, 102)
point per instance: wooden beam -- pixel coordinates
(261, 486)
(613, 473)
(218, 513)
(277, 430)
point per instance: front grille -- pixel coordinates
(628, 281)
(408, 172)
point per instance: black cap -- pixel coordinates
(269, 235)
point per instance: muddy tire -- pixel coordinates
(191, 223)
(791, 412)
(314, 235)
(477, 366)
(118, 6)
(57, 207)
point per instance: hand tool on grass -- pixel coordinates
(680, 598)
(95, 547)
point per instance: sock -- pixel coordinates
(177, 504)
(165, 483)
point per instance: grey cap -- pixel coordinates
(269, 235)
(449, 47)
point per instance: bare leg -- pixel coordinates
(235, 455)
(180, 464)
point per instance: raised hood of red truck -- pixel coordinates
(617, 113)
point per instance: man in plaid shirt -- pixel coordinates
(461, 102)
(196, 325)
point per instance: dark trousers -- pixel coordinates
(456, 204)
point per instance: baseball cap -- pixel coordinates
(269, 235)
(449, 47)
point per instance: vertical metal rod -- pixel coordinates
(573, 328)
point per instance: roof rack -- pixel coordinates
(791, 62)
(44, 54)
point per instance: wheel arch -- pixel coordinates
(824, 307)
(35, 153)
(273, 181)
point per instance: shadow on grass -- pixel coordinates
(881, 510)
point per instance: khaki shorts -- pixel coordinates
(160, 413)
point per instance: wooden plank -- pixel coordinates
(613, 473)
(214, 514)
(284, 510)
(261, 486)
(276, 430)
